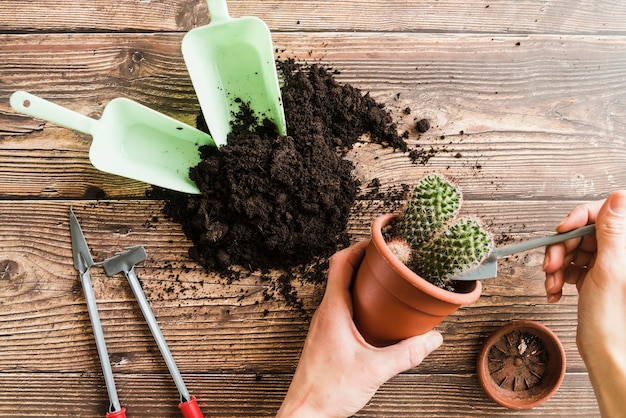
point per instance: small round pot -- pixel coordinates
(391, 302)
(521, 365)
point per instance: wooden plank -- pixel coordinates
(452, 16)
(85, 71)
(209, 321)
(255, 395)
(553, 128)
(102, 16)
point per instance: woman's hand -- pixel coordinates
(339, 371)
(597, 266)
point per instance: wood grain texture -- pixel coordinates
(520, 119)
(526, 102)
(102, 16)
(241, 330)
(457, 395)
(450, 16)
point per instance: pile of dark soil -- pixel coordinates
(270, 201)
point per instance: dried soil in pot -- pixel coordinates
(521, 365)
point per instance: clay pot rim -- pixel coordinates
(412, 277)
(547, 336)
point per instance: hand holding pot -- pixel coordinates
(597, 266)
(339, 371)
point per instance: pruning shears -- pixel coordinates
(123, 261)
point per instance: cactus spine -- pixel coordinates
(441, 244)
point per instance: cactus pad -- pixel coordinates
(401, 249)
(462, 245)
(431, 205)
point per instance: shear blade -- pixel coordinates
(80, 250)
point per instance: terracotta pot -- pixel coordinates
(521, 365)
(392, 303)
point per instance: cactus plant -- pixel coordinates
(402, 288)
(441, 244)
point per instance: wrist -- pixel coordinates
(298, 402)
(607, 372)
(290, 409)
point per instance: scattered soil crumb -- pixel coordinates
(422, 155)
(422, 125)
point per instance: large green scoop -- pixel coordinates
(231, 60)
(129, 140)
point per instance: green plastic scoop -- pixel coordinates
(231, 60)
(130, 140)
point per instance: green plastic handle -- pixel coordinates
(218, 10)
(37, 107)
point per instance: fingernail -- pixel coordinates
(553, 298)
(618, 203)
(549, 283)
(546, 260)
(435, 339)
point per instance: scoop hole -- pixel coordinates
(26, 103)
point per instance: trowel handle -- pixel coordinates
(188, 405)
(37, 107)
(117, 414)
(190, 409)
(103, 354)
(542, 242)
(156, 333)
(218, 10)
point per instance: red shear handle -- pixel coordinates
(117, 414)
(190, 409)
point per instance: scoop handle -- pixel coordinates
(218, 10)
(37, 107)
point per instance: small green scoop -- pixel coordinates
(231, 60)
(130, 140)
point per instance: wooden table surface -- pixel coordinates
(527, 102)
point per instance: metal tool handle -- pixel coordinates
(157, 334)
(190, 409)
(542, 242)
(117, 414)
(90, 297)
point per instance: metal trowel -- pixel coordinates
(488, 269)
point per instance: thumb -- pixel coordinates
(410, 352)
(611, 229)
